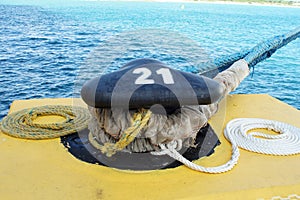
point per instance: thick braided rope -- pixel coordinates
(21, 124)
(139, 121)
(236, 132)
(252, 56)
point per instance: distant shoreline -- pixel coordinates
(291, 4)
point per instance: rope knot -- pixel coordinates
(166, 148)
(109, 149)
(139, 121)
(175, 144)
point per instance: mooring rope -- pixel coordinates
(170, 150)
(236, 132)
(21, 124)
(257, 54)
(253, 56)
(139, 121)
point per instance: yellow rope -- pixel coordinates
(139, 121)
(21, 124)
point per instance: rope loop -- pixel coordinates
(286, 142)
(21, 124)
(236, 132)
(32, 115)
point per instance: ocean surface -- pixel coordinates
(49, 50)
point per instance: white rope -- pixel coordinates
(290, 197)
(287, 142)
(170, 149)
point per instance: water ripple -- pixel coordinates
(43, 49)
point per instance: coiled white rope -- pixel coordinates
(287, 142)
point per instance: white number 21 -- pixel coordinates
(146, 73)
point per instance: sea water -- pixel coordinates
(44, 46)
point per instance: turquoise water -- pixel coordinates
(43, 47)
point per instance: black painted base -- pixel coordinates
(79, 146)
